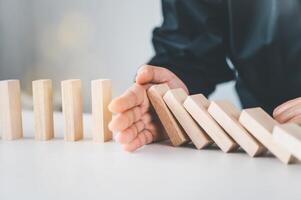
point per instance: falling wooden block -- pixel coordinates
(101, 92)
(289, 136)
(10, 110)
(72, 104)
(197, 106)
(226, 114)
(174, 131)
(174, 99)
(43, 112)
(261, 125)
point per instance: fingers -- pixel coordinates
(148, 75)
(140, 133)
(154, 129)
(124, 120)
(289, 114)
(143, 138)
(296, 120)
(130, 133)
(286, 106)
(151, 74)
(134, 96)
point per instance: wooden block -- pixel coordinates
(43, 111)
(226, 114)
(101, 92)
(261, 125)
(197, 106)
(10, 110)
(174, 99)
(289, 136)
(72, 104)
(174, 131)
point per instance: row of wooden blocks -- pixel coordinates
(193, 118)
(72, 105)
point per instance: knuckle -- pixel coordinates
(136, 114)
(149, 137)
(147, 68)
(142, 138)
(140, 126)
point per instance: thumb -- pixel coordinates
(151, 74)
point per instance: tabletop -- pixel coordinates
(57, 169)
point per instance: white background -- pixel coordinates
(58, 170)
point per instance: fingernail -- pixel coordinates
(141, 69)
(110, 127)
(275, 112)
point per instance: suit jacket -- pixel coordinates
(262, 38)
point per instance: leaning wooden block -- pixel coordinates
(10, 110)
(261, 125)
(289, 136)
(174, 131)
(174, 100)
(72, 104)
(101, 92)
(43, 112)
(226, 114)
(197, 106)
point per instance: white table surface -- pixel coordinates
(85, 170)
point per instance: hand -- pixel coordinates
(289, 111)
(135, 120)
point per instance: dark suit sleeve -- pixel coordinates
(190, 42)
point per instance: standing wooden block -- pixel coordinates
(43, 112)
(197, 106)
(72, 103)
(261, 125)
(10, 110)
(174, 131)
(174, 100)
(289, 136)
(101, 116)
(226, 114)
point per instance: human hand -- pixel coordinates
(135, 120)
(289, 111)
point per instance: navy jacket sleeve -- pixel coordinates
(191, 43)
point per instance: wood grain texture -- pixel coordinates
(10, 110)
(72, 104)
(226, 114)
(289, 136)
(43, 109)
(174, 131)
(260, 125)
(197, 106)
(101, 93)
(174, 99)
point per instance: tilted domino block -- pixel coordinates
(260, 125)
(10, 110)
(174, 131)
(226, 114)
(43, 111)
(101, 93)
(174, 99)
(72, 104)
(197, 106)
(289, 136)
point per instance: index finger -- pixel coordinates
(132, 97)
(281, 108)
(152, 74)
